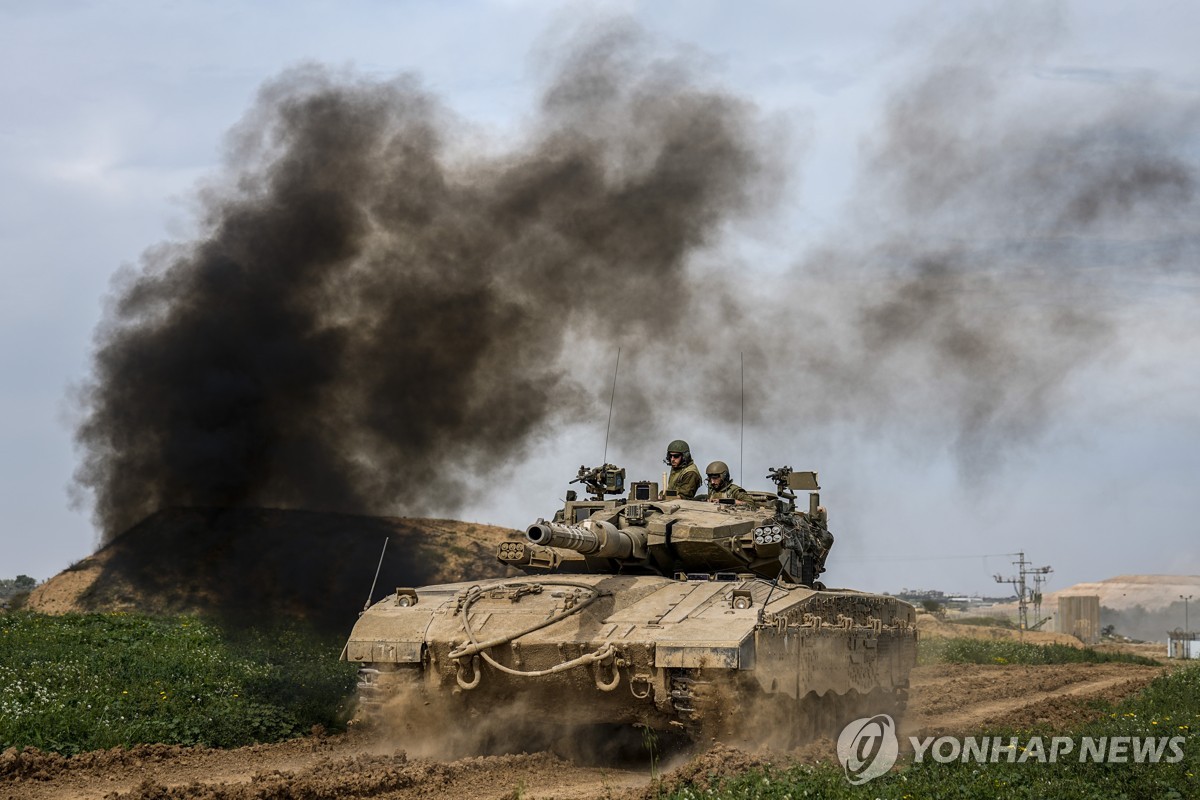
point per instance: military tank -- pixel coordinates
(643, 608)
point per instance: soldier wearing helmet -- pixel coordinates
(685, 478)
(720, 487)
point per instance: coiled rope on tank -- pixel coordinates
(603, 653)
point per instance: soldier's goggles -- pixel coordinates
(674, 455)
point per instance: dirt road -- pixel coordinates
(944, 698)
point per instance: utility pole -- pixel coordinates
(1026, 597)
(1185, 617)
(1039, 577)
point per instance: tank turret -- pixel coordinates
(648, 533)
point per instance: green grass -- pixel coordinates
(1169, 706)
(87, 681)
(1011, 651)
(984, 622)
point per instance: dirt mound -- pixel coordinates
(1151, 592)
(933, 628)
(64, 593)
(261, 564)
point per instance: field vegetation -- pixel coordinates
(1010, 651)
(985, 622)
(1167, 707)
(87, 681)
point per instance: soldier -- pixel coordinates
(685, 475)
(720, 487)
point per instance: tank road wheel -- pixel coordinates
(818, 717)
(386, 690)
(882, 701)
(706, 705)
(899, 699)
(709, 707)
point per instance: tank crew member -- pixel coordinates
(720, 487)
(685, 476)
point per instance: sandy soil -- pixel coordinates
(958, 698)
(63, 593)
(359, 764)
(1123, 592)
(933, 628)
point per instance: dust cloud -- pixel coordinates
(444, 726)
(1145, 625)
(373, 318)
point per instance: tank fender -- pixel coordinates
(384, 652)
(706, 655)
(388, 634)
(822, 658)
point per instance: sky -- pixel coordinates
(116, 116)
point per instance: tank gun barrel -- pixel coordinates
(592, 538)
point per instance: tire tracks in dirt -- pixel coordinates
(357, 765)
(959, 698)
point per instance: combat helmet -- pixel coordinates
(678, 446)
(718, 468)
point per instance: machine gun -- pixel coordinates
(779, 476)
(786, 479)
(606, 479)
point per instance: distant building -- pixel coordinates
(1183, 644)
(954, 602)
(1079, 615)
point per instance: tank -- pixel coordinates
(641, 609)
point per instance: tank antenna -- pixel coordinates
(742, 438)
(378, 567)
(611, 400)
(774, 583)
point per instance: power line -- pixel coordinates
(896, 559)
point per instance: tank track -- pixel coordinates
(705, 711)
(378, 685)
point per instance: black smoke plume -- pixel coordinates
(1011, 226)
(369, 318)
(373, 315)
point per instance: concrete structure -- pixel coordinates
(1079, 615)
(1182, 644)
